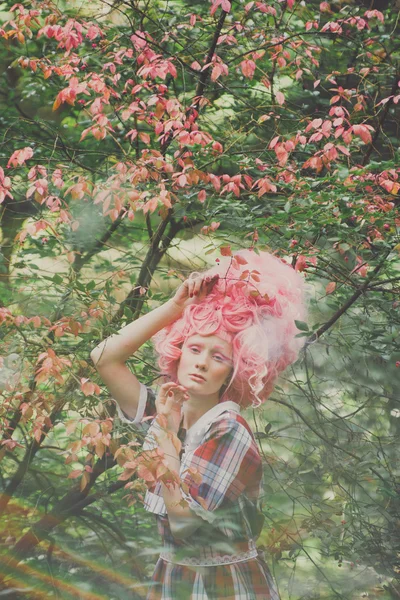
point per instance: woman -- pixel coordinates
(222, 340)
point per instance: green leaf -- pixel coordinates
(79, 286)
(302, 325)
(127, 312)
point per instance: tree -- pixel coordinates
(265, 124)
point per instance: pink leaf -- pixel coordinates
(20, 156)
(145, 138)
(344, 150)
(280, 98)
(362, 132)
(330, 287)
(216, 72)
(74, 474)
(273, 142)
(248, 67)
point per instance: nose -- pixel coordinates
(201, 362)
(200, 365)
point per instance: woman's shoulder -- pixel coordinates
(230, 436)
(231, 420)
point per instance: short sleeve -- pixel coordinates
(228, 462)
(146, 409)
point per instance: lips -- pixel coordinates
(197, 376)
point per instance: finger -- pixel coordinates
(173, 389)
(191, 288)
(208, 283)
(197, 285)
(188, 284)
(174, 404)
(173, 384)
(166, 386)
(214, 280)
(165, 389)
(183, 391)
(177, 396)
(176, 392)
(185, 288)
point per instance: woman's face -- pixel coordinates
(210, 357)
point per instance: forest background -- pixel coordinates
(141, 140)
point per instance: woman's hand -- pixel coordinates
(194, 289)
(169, 404)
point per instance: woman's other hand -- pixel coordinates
(194, 289)
(170, 399)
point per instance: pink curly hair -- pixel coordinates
(253, 305)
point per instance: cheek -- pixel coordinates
(184, 360)
(222, 371)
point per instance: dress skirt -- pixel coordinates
(246, 580)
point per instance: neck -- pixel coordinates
(195, 407)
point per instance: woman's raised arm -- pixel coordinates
(109, 357)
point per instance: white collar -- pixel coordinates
(199, 428)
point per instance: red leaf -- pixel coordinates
(273, 142)
(330, 287)
(19, 157)
(344, 150)
(74, 474)
(240, 259)
(145, 138)
(248, 68)
(182, 180)
(362, 132)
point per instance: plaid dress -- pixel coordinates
(220, 559)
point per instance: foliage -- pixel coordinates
(138, 139)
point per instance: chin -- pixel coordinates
(192, 384)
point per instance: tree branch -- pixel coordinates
(382, 120)
(317, 334)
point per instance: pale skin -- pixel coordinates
(208, 356)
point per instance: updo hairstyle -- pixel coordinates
(254, 305)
